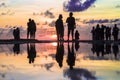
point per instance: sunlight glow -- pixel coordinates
(54, 36)
(54, 44)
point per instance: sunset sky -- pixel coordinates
(17, 12)
(45, 12)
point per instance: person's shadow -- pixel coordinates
(59, 53)
(31, 50)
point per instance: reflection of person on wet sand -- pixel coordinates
(60, 53)
(16, 48)
(71, 57)
(77, 46)
(31, 52)
(115, 50)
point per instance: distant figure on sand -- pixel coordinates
(71, 25)
(115, 32)
(108, 33)
(16, 33)
(31, 29)
(93, 33)
(77, 35)
(59, 28)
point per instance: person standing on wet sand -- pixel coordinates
(16, 33)
(115, 32)
(71, 25)
(31, 29)
(59, 28)
(77, 35)
(93, 33)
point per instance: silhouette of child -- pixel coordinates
(77, 35)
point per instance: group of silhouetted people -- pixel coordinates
(104, 32)
(71, 26)
(100, 32)
(31, 29)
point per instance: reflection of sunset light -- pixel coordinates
(54, 36)
(54, 44)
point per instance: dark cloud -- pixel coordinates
(117, 6)
(114, 20)
(47, 13)
(77, 5)
(9, 12)
(52, 24)
(77, 19)
(101, 21)
(93, 6)
(77, 73)
(3, 4)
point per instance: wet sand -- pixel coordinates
(23, 41)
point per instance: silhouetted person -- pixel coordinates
(71, 25)
(16, 33)
(115, 32)
(71, 57)
(93, 33)
(31, 50)
(60, 54)
(102, 32)
(107, 33)
(77, 46)
(31, 30)
(98, 31)
(59, 28)
(16, 48)
(77, 35)
(115, 50)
